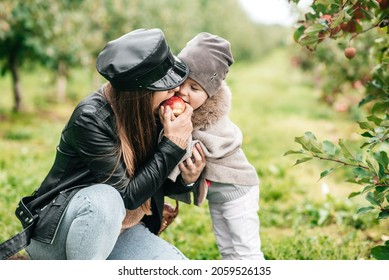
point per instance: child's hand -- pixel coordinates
(192, 167)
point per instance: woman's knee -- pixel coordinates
(138, 243)
(104, 200)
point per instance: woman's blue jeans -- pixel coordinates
(91, 230)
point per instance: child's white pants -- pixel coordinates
(236, 227)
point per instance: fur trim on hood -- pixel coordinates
(213, 109)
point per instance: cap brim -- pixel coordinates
(174, 77)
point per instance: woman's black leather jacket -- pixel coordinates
(86, 156)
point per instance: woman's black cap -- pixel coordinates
(141, 59)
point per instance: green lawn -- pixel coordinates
(272, 103)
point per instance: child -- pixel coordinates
(233, 192)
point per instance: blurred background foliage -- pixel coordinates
(65, 34)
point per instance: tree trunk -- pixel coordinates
(18, 104)
(61, 82)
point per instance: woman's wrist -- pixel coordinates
(182, 143)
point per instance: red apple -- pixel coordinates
(357, 9)
(350, 52)
(335, 31)
(350, 26)
(176, 104)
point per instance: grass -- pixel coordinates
(272, 103)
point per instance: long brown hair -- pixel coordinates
(136, 127)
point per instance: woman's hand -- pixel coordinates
(192, 167)
(181, 126)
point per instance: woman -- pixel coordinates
(104, 196)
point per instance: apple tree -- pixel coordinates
(22, 33)
(42, 32)
(355, 41)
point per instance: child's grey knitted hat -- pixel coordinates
(209, 58)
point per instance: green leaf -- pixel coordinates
(380, 252)
(367, 134)
(359, 156)
(382, 159)
(385, 123)
(309, 135)
(368, 188)
(381, 189)
(366, 125)
(370, 197)
(298, 33)
(308, 40)
(329, 148)
(354, 181)
(314, 29)
(373, 165)
(290, 152)
(326, 3)
(347, 15)
(365, 144)
(315, 147)
(358, 27)
(360, 172)
(380, 106)
(374, 4)
(338, 19)
(368, 98)
(368, 14)
(311, 142)
(383, 215)
(379, 196)
(376, 120)
(364, 210)
(353, 194)
(326, 172)
(344, 149)
(302, 160)
(301, 140)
